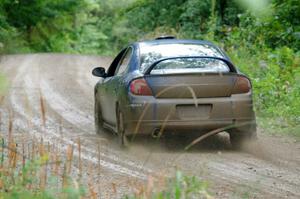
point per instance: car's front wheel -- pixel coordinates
(123, 140)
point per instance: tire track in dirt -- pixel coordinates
(28, 86)
(60, 98)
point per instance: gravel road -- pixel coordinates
(270, 169)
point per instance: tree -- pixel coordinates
(27, 14)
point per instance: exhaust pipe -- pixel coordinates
(156, 133)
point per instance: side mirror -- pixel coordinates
(99, 72)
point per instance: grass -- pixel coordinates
(35, 169)
(276, 126)
(38, 170)
(275, 76)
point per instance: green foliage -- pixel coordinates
(49, 27)
(95, 26)
(24, 177)
(275, 79)
(24, 184)
(9, 36)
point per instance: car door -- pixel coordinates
(111, 85)
(103, 90)
(116, 83)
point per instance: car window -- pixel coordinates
(113, 66)
(152, 53)
(190, 65)
(123, 64)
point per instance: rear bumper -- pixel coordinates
(144, 118)
(148, 127)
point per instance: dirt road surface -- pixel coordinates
(271, 169)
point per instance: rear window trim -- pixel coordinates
(232, 69)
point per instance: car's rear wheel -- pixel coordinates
(122, 138)
(239, 138)
(98, 118)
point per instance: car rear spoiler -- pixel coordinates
(230, 64)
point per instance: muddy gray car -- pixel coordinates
(164, 85)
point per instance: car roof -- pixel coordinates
(174, 41)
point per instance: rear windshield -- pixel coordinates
(151, 53)
(190, 65)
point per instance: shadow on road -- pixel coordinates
(177, 142)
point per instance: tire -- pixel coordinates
(239, 138)
(122, 138)
(98, 118)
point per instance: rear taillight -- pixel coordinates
(140, 87)
(242, 85)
